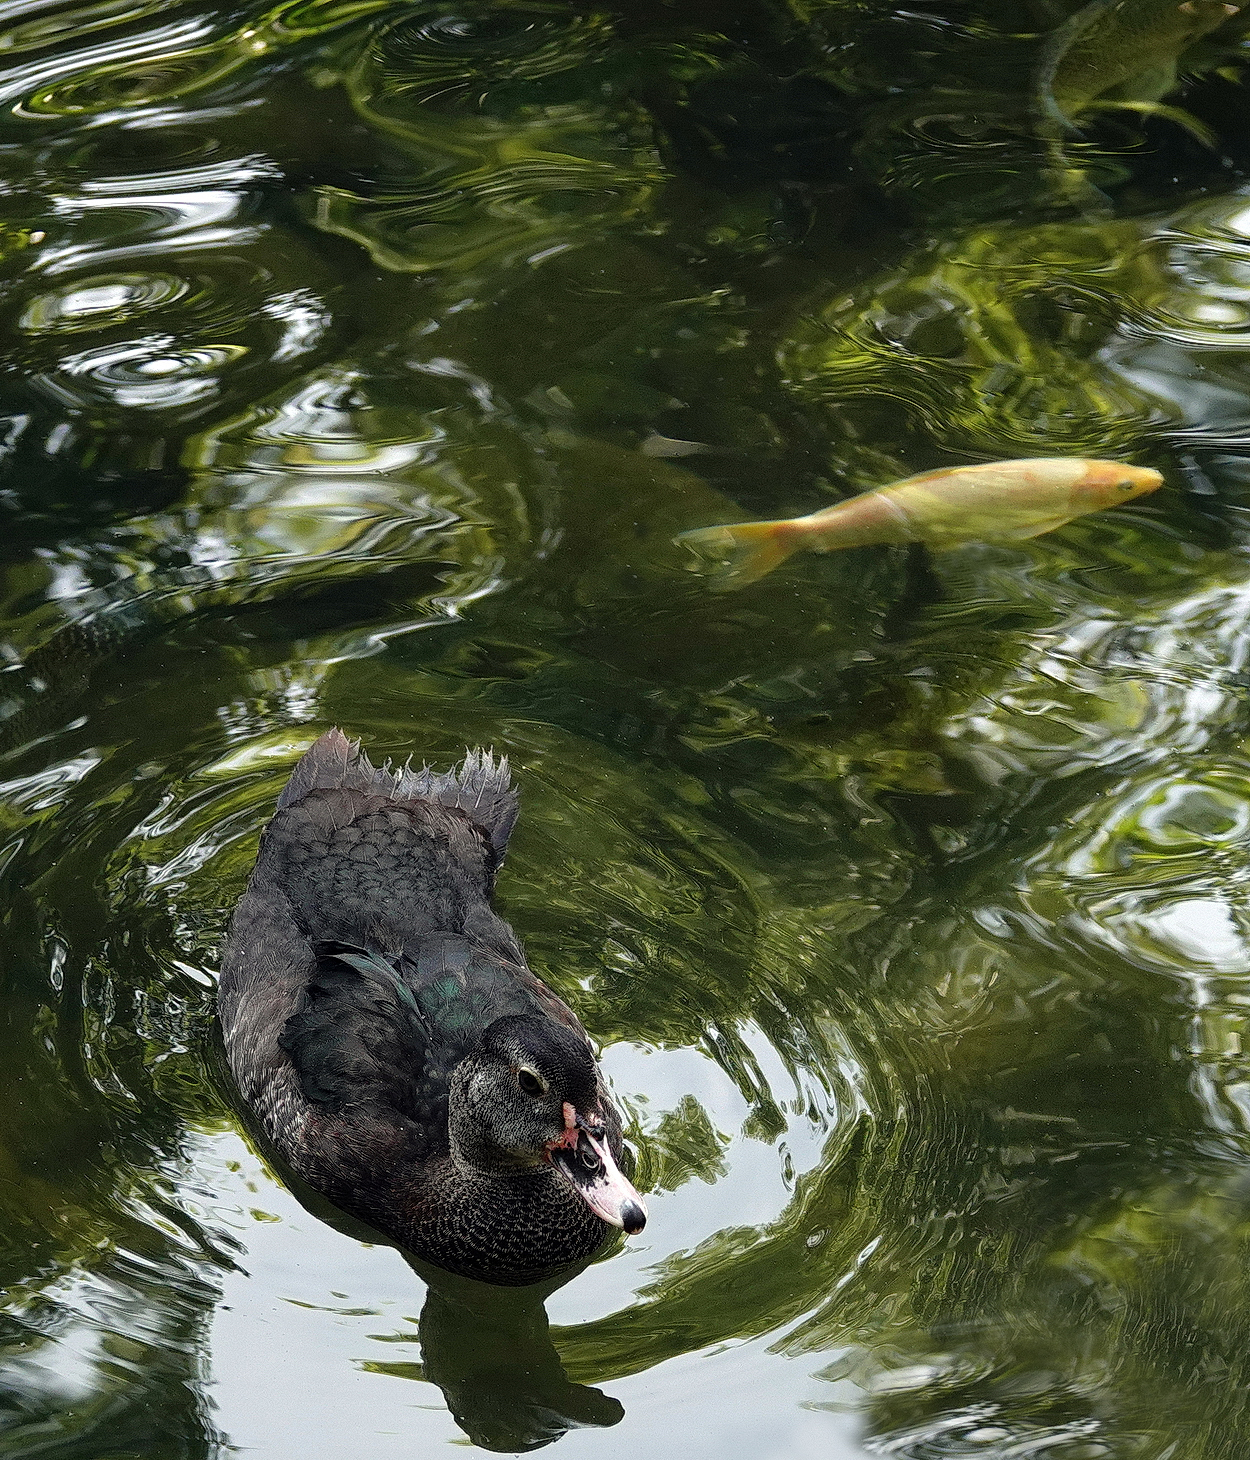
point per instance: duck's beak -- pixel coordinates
(588, 1165)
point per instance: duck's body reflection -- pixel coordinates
(490, 1351)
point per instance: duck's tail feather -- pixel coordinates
(480, 787)
(331, 763)
(739, 553)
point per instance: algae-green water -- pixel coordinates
(362, 359)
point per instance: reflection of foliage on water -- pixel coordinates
(503, 113)
(993, 345)
(110, 1273)
(1087, 339)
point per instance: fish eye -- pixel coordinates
(531, 1081)
(1125, 486)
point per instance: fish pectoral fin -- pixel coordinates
(961, 535)
(1038, 529)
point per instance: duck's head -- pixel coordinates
(529, 1097)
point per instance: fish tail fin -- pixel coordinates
(741, 552)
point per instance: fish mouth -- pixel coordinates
(1134, 481)
(589, 1167)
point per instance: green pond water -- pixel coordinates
(361, 361)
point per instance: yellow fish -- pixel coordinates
(1000, 501)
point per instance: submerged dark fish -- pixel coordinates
(1122, 46)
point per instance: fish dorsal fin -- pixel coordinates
(480, 787)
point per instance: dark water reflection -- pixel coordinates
(362, 360)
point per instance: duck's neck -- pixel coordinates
(508, 1227)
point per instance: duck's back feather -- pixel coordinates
(480, 787)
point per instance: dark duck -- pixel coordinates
(382, 1024)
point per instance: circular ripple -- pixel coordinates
(94, 303)
(128, 158)
(149, 374)
(177, 60)
(77, 341)
(459, 55)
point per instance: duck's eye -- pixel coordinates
(531, 1082)
(589, 1159)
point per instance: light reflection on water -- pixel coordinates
(363, 361)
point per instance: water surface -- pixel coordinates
(362, 359)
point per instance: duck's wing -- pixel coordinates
(359, 1044)
(378, 1035)
(462, 984)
